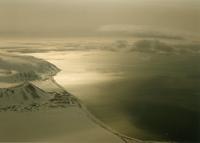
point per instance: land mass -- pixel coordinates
(34, 108)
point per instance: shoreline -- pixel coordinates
(47, 78)
(124, 138)
(97, 121)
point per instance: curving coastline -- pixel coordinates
(124, 138)
(42, 93)
(32, 92)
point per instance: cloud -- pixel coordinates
(61, 46)
(143, 31)
(160, 47)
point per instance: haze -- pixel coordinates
(60, 18)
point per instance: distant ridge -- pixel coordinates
(14, 68)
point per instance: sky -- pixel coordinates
(60, 18)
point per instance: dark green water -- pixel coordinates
(156, 99)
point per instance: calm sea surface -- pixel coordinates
(145, 96)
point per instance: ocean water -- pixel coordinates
(145, 96)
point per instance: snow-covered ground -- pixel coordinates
(69, 125)
(34, 108)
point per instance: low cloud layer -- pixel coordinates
(156, 46)
(144, 31)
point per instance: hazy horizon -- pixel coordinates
(76, 18)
